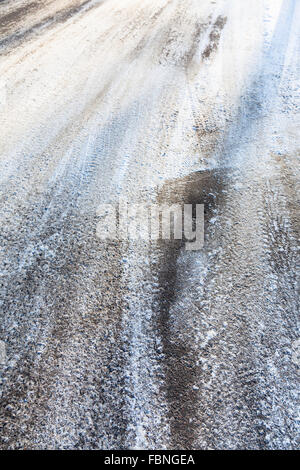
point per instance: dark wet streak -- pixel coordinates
(180, 364)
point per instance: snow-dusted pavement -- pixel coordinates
(139, 345)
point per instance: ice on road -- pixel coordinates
(139, 344)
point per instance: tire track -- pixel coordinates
(20, 35)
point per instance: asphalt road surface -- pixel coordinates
(141, 344)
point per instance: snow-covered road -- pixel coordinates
(136, 344)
